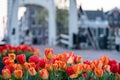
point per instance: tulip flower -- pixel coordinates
(44, 74)
(70, 60)
(86, 67)
(7, 61)
(42, 63)
(12, 56)
(98, 72)
(61, 64)
(70, 70)
(6, 74)
(119, 68)
(77, 59)
(10, 67)
(106, 68)
(21, 58)
(105, 60)
(78, 68)
(87, 62)
(73, 76)
(17, 66)
(55, 66)
(26, 65)
(34, 59)
(32, 71)
(49, 53)
(111, 62)
(18, 74)
(48, 67)
(4, 59)
(114, 68)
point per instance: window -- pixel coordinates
(33, 32)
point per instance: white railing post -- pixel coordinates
(73, 25)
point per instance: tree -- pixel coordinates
(41, 17)
(62, 20)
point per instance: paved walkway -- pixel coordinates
(86, 54)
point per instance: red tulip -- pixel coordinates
(114, 68)
(21, 58)
(70, 70)
(119, 68)
(112, 62)
(42, 63)
(10, 67)
(4, 59)
(34, 59)
(87, 62)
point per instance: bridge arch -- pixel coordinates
(49, 5)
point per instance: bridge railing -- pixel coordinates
(63, 39)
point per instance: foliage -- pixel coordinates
(41, 17)
(62, 19)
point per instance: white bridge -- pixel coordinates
(12, 23)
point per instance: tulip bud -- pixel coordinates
(98, 72)
(44, 74)
(6, 74)
(55, 66)
(49, 53)
(32, 71)
(18, 74)
(12, 56)
(73, 76)
(21, 58)
(86, 67)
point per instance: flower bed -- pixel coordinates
(64, 66)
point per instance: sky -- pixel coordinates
(92, 4)
(3, 4)
(86, 5)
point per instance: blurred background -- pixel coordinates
(70, 24)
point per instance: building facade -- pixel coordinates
(38, 31)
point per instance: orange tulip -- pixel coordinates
(55, 66)
(98, 72)
(86, 67)
(92, 66)
(78, 68)
(6, 74)
(48, 66)
(49, 53)
(12, 56)
(18, 74)
(44, 74)
(118, 75)
(105, 60)
(107, 68)
(17, 66)
(74, 76)
(32, 64)
(32, 71)
(98, 63)
(78, 59)
(61, 64)
(26, 65)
